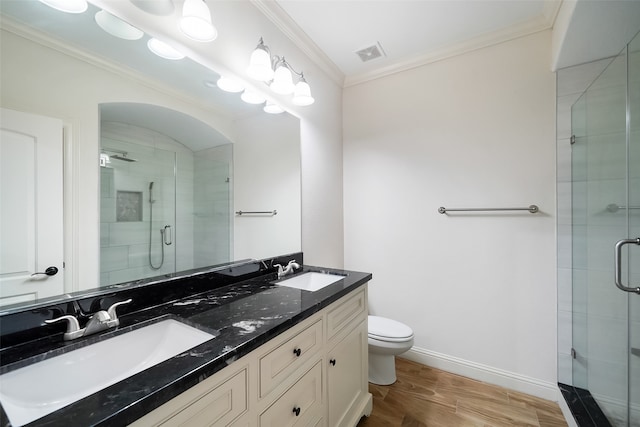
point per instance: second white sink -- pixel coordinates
(311, 281)
(36, 390)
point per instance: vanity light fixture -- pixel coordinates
(196, 21)
(260, 63)
(302, 93)
(117, 27)
(228, 84)
(278, 73)
(163, 50)
(69, 6)
(251, 97)
(271, 108)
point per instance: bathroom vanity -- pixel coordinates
(279, 355)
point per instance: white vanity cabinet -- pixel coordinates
(313, 375)
(347, 375)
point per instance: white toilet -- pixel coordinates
(387, 339)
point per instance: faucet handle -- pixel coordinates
(111, 311)
(73, 327)
(293, 264)
(72, 324)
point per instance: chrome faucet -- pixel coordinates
(99, 321)
(289, 269)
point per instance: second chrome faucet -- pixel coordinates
(99, 321)
(289, 269)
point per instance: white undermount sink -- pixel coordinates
(36, 390)
(311, 281)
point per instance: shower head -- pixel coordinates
(123, 157)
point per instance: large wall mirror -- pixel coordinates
(157, 162)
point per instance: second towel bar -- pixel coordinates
(443, 210)
(273, 212)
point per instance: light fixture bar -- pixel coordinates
(278, 74)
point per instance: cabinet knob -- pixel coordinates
(333, 362)
(296, 411)
(297, 352)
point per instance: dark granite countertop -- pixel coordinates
(242, 316)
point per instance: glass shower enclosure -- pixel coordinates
(605, 188)
(163, 207)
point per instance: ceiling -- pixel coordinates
(409, 31)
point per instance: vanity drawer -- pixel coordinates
(301, 405)
(350, 312)
(280, 363)
(209, 403)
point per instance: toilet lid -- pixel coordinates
(388, 328)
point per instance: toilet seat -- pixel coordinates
(383, 329)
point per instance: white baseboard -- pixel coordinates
(488, 374)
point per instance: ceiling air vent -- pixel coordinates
(371, 52)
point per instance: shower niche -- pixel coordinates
(164, 207)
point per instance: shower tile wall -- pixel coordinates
(571, 83)
(124, 245)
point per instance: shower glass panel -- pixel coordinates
(137, 211)
(605, 189)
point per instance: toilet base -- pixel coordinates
(382, 369)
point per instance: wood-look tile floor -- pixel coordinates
(427, 397)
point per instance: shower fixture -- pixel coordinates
(165, 232)
(105, 157)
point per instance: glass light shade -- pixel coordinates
(282, 81)
(260, 65)
(229, 85)
(163, 50)
(272, 108)
(251, 97)
(302, 94)
(69, 6)
(196, 21)
(117, 27)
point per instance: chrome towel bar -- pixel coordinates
(273, 212)
(614, 208)
(532, 209)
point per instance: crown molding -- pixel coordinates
(550, 11)
(532, 26)
(28, 33)
(292, 30)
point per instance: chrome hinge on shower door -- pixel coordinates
(573, 139)
(574, 354)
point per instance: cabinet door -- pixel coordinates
(347, 378)
(300, 406)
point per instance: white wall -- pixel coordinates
(266, 178)
(477, 130)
